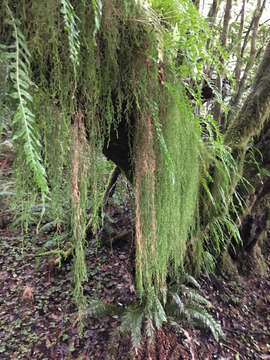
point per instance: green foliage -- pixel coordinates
(25, 131)
(187, 304)
(132, 321)
(187, 33)
(185, 307)
(218, 208)
(97, 6)
(70, 20)
(120, 63)
(99, 308)
(4, 109)
(135, 320)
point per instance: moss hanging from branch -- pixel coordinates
(102, 68)
(79, 202)
(166, 193)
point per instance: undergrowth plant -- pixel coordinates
(185, 307)
(98, 65)
(24, 120)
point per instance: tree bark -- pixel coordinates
(251, 122)
(255, 222)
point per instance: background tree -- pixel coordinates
(247, 39)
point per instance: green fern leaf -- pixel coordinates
(176, 298)
(193, 295)
(150, 329)
(98, 308)
(97, 6)
(71, 28)
(24, 120)
(207, 321)
(190, 279)
(132, 322)
(158, 314)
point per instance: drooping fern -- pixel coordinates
(97, 7)
(220, 211)
(70, 21)
(25, 130)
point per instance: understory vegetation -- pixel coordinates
(92, 89)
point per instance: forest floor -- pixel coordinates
(38, 319)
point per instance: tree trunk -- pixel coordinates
(252, 122)
(255, 222)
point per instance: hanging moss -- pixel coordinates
(166, 191)
(105, 74)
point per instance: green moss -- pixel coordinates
(125, 68)
(227, 267)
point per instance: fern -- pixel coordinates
(132, 317)
(187, 278)
(186, 303)
(183, 303)
(71, 28)
(203, 318)
(180, 305)
(132, 322)
(194, 296)
(97, 6)
(159, 314)
(24, 119)
(99, 308)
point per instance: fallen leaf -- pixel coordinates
(28, 293)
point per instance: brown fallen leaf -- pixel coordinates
(28, 293)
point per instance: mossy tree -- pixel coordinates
(111, 76)
(106, 85)
(251, 122)
(247, 42)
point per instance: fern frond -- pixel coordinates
(97, 7)
(190, 305)
(150, 328)
(132, 322)
(193, 295)
(24, 120)
(98, 308)
(206, 320)
(70, 19)
(180, 305)
(187, 278)
(159, 314)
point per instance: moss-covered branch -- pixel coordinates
(255, 110)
